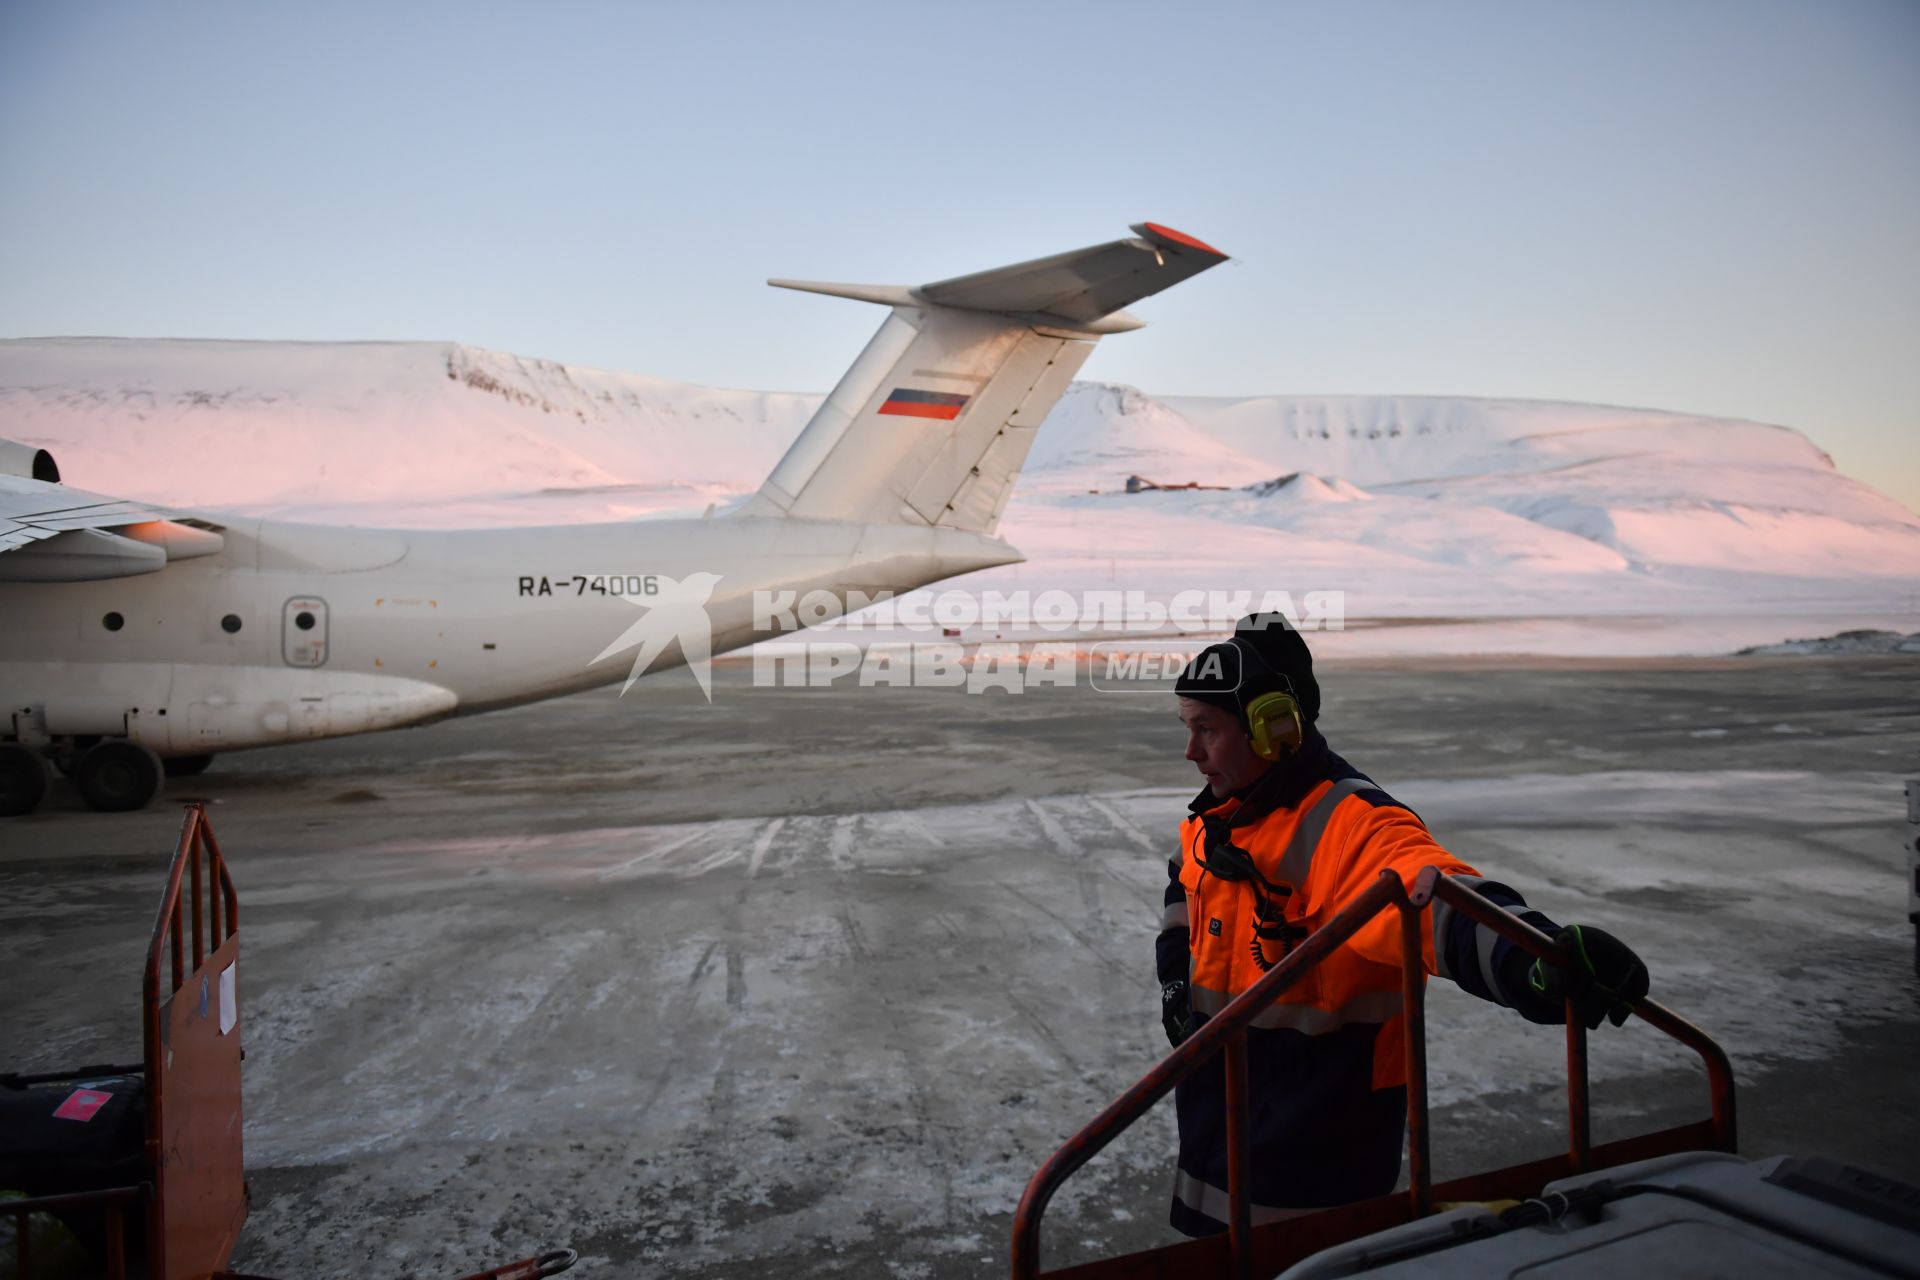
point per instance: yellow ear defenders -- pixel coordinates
(1273, 719)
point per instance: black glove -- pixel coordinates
(1604, 979)
(1176, 1012)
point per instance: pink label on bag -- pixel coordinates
(81, 1104)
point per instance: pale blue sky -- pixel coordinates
(1700, 205)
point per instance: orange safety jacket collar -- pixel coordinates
(1282, 786)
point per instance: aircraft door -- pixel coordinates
(303, 632)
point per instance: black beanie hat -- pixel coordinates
(1222, 676)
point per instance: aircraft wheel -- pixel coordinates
(119, 775)
(23, 780)
(187, 766)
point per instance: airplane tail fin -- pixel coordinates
(932, 423)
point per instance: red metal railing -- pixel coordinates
(551, 1263)
(1272, 1247)
(190, 1022)
(212, 888)
(112, 1204)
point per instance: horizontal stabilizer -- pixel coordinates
(887, 295)
(1084, 284)
(1083, 289)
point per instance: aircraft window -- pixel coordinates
(113, 622)
(303, 620)
(230, 623)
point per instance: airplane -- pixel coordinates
(139, 640)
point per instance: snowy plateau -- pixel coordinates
(1451, 525)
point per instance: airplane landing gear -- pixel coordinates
(23, 780)
(117, 775)
(187, 766)
(66, 755)
(113, 776)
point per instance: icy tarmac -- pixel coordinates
(821, 976)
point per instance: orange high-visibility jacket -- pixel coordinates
(1327, 1062)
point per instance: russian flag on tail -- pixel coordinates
(909, 403)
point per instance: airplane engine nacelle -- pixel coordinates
(18, 459)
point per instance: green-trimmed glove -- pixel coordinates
(1604, 981)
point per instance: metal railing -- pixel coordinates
(193, 1062)
(211, 889)
(112, 1205)
(1226, 1032)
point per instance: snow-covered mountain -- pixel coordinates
(1660, 488)
(381, 432)
(1413, 506)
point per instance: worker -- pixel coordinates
(1284, 834)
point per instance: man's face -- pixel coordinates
(1219, 747)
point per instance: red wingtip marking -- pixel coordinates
(1181, 237)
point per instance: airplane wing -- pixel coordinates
(52, 533)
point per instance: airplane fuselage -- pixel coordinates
(294, 632)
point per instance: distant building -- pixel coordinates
(1140, 484)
